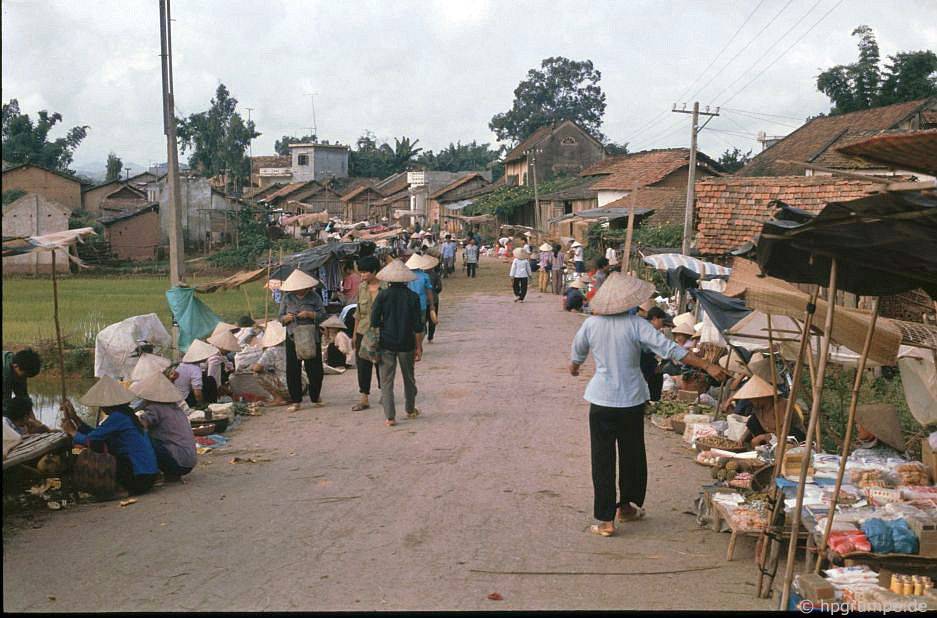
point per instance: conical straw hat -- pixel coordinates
(620, 293)
(578, 284)
(225, 341)
(681, 329)
(647, 305)
(149, 364)
(575, 244)
(274, 334)
(396, 272)
(520, 254)
(105, 393)
(753, 389)
(298, 280)
(334, 322)
(760, 366)
(415, 261)
(223, 327)
(429, 261)
(546, 247)
(685, 318)
(199, 351)
(882, 420)
(734, 365)
(157, 388)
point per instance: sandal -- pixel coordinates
(360, 406)
(413, 414)
(599, 531)
(390, 422)
(293, 408)
(635, 515)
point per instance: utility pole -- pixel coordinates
(532, 159)
(176, 248)
(315, 127)
(250, 142)
(691, 177)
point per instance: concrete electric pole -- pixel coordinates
(176, 248)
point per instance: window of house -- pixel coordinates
(568, 141)
(567, 208)
(303, 159)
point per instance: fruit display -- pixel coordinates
(718, 442)
(866, 478)
(668, 408)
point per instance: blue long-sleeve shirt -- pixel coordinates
(123, 439)
(616, 342)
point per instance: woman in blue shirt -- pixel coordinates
(617, 394)
(121, 432)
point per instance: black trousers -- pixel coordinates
(365, 369)
(430, 325)
(520, 287)
(472, 268)
(624, 428)
(314, 373)
(135, 484)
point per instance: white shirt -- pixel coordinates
(577, 254)
(611, 255)
(520, 269)
(616, 342)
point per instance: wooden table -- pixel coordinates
(35, 446)
(723, 513)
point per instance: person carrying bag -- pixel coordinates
(301, 310)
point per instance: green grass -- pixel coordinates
(87, 304)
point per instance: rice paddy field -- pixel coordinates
(88, 304)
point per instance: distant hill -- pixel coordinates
(98, 171)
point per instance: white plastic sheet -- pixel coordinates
(919, 379)
(115, 344)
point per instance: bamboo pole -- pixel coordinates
(58, 328)
(778, 421)
(722, 388)
(266, 287)
(247, 300)
(809, 311)
(630, 232)
(847, 437)
(811, 431)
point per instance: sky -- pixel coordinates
(436, 70)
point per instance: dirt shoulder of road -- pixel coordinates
(487, 492)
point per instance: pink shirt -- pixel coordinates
(350, 286)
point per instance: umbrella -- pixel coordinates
(669, 261)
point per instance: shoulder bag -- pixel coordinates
(306, 340)
(95, 473)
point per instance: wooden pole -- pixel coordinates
(247, 300)
(778, 420)
(782, 434)
(722, 388)
(811, 431)
(266, 288)
(58, 328)
(630, 232)
(847, 437)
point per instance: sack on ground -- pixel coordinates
(95, 473)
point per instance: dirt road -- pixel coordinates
(431, 514)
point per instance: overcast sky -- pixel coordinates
(435, 70)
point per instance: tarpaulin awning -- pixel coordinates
(229, 283)
(724, 311)
(307, 219)
(919, 380)
(611, 213)
(460, 205)
(115, 344)
(372, 236)
(316, 257)
(669, 261)
(21, 245)
(883, 244)
(195, 319)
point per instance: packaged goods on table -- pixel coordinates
(888, 537)
(845, 542)
(919, 492)
(695, 431)
(912, 473)
(839, 525)
(793, 459)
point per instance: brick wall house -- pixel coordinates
(55, 186)
(134, 235)
(34, 215)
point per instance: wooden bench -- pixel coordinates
(35, 446)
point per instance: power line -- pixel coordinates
(784, 53)
(741, 51)
(767, 120)
(747, 111)
(661, 134)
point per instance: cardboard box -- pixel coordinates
(926, 536)
(929, 457)
(815, 588)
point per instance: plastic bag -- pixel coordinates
(879, 535)
(737, 426)
(903, 539)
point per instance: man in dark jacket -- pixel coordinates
(396, 312)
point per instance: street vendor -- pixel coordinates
(339, 348)
(302, 306)
(650, 367)
(167, 425)
(270, 368)
(187, 376)
(762, 423)
(573, 299)
(683, 335)
(618, 394)
(122, 433)
(18, 367)
(18, 416)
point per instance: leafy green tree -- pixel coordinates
(863, 84)
(379, 161)
(218, 139)
(562, 89)
(282, 145)
(734, 160)
(27, 141)
(114, 166)
(458, 157)
(614, 148)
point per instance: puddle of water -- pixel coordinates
(46, 394)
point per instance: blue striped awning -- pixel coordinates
(669, 261)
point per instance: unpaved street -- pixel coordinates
(349, 514)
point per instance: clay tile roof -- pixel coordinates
(399, 196)
(535, 138)
(128, 214)
(730, 210)
(287, 190)
(818, 140)
(668, 204)
(646, 168)
(393, 184)
(915, 151)
(362, 188)
(261, 192)
(455, 184)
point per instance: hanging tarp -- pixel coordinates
(229, 283)
(115, 345)
(682, 278)
(195, 319)
(883, 244)
(919, 380)
(306, 219)
(670, 261)
(21, 245)
(316, 257)
(724, 311)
